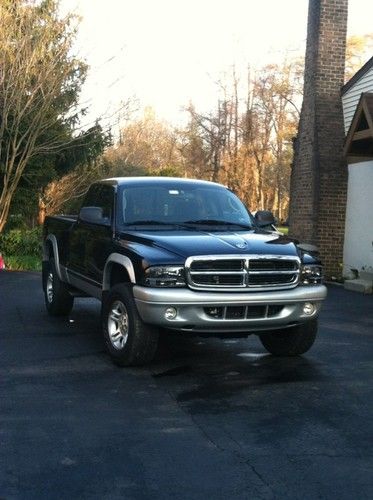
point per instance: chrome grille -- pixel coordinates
(218, 265)
(238, 271)
(218, 279)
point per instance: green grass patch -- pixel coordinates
(283, 230)
(22, 262)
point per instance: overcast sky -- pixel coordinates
(167, 52)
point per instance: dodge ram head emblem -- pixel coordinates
(241, 244)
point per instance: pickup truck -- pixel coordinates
(180, 254)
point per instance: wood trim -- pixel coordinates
(368, 116)
(362, 134)
(353, 126)
(358, 159)
(352, 134)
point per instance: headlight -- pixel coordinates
(311, 274)
(167, 276)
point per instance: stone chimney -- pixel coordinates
(319, 176)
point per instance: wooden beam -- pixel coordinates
(354, 158)
(362, 134)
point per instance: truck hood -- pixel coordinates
(181, 244)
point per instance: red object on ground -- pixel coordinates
(2, 263)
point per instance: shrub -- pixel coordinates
(283, 230)
(21, 242)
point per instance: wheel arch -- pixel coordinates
(50, 250)
(118, 269)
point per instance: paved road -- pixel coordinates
(209, 419)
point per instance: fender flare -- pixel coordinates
(53, 241)
(122, 260)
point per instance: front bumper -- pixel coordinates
(192, 316)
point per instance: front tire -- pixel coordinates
(291, 341)
(58, 300)
(129, 341)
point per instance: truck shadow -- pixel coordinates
(201, 368)
(216, 369)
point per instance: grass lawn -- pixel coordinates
(22, 262)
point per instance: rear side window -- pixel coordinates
(92, 197)
(101, 196)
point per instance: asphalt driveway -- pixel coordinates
(209, 419)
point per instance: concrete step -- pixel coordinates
(359, 285)
(366, 275)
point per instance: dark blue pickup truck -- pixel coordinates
(184, 255)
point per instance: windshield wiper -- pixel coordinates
(215, 222)
(187, 224)
(155, 223)
(148, 222)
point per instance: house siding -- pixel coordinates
(351, 98)
(358, 245)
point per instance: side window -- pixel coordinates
(106, 201)
(92, 197)
(101, 196)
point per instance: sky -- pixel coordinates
(166, 53)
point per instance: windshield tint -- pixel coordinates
(179, 203)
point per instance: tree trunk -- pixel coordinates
(4, 209)
(42, 211)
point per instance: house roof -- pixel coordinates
(364, 69)
(359, 141)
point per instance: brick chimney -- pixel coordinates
(319, 175)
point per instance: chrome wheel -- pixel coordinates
(49, 288)
(118, 324)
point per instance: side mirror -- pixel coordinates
(265, 218)
(93, 215)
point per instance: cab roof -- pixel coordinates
(127, 181)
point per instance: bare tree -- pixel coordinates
(212, 130)
(358, 51)
(277, 90)
(61, 193)
(147, 146)
(246, 140)
(39, 83)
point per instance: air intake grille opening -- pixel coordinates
(243, 312)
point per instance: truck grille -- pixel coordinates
(237, 272)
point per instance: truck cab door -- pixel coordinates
(90, 239)
(99, 244)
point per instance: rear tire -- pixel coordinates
(58, 300)
(128, 339)
(291, 341)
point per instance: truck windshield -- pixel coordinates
(180, 203)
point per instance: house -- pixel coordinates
(357, 102)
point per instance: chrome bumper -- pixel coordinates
(191, 314)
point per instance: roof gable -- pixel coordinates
(359, 74)
(359, 141)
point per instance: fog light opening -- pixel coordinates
(309, 308)
(214, 312)
(170, 313)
